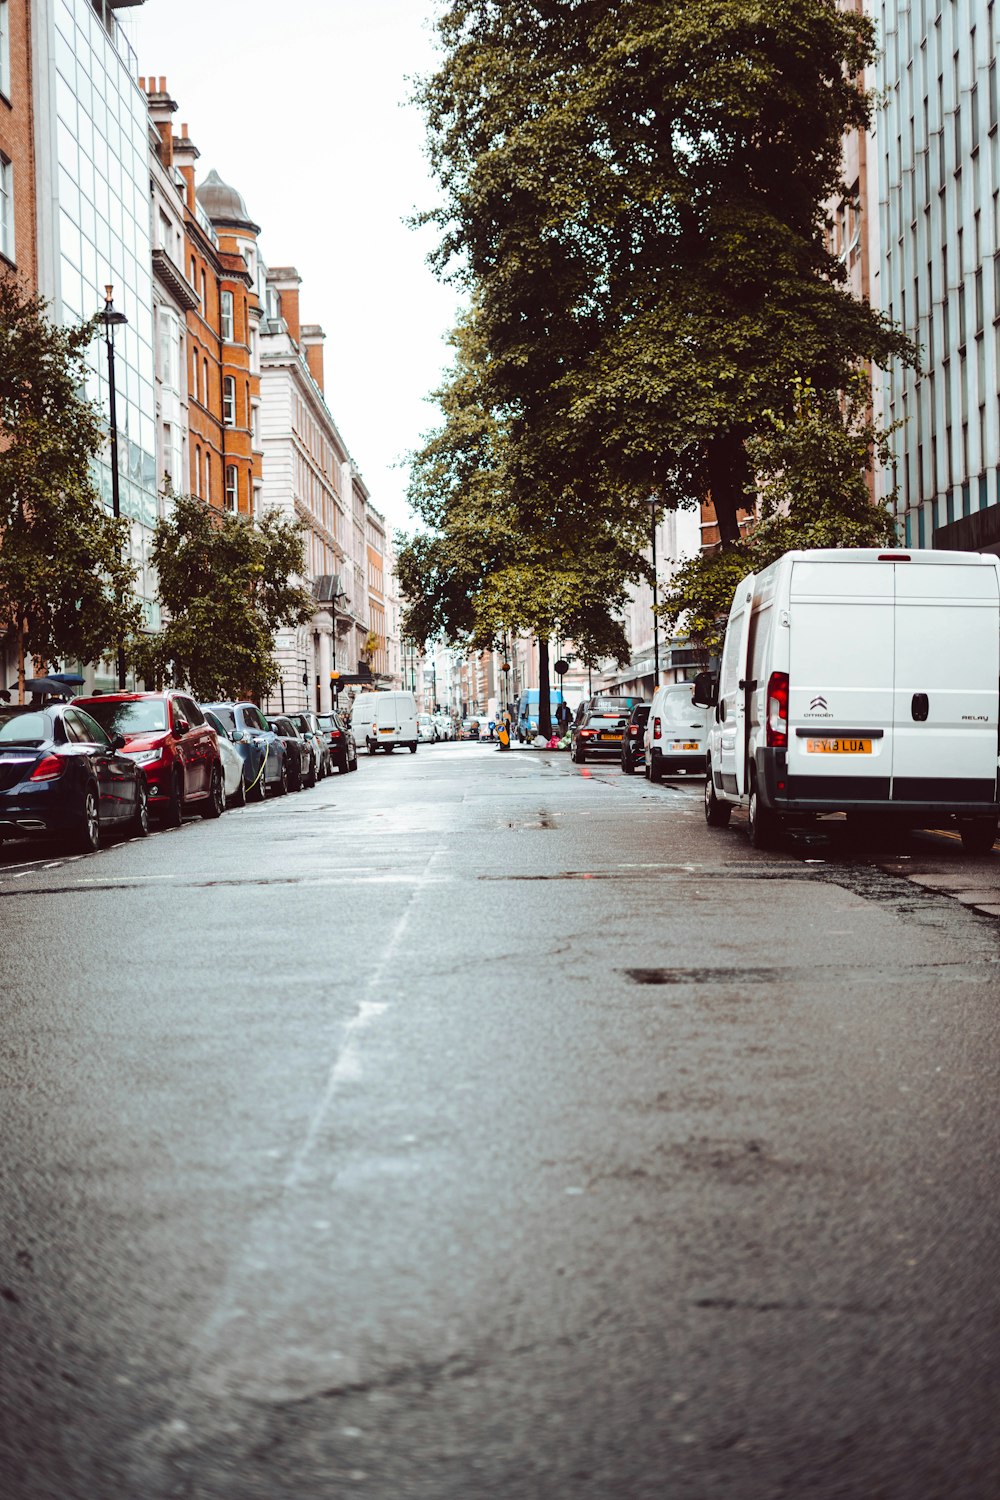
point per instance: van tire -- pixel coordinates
(655, 768)
(413, 747)
(978, 834)
(370, 746)
(717, 814)
(762, 823)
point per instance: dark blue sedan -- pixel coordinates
(60, 773)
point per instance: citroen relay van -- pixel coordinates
(863, 682)
(385, 720)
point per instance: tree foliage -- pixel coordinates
(635, 191)
(66, 591)
(490, 563)
(812, 471)
(227, 585)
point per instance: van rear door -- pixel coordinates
(946, 689)
(841, 677)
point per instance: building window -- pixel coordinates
(194, 374)
(208, 476)
(204, 293)
(232, 488)
(197, 471)
(229, 401)
(4, 49)
(6, 208)
(204, 382)
(226, 316)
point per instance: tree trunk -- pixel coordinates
(21, 637)
(729, 480)
(544, 691)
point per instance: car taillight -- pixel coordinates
(586, 734)
(657, 733)
(776, 725)
(633, 729)
(48, 768)
(335, 734)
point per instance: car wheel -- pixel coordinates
(256, 790)
(216, 804)
(140, 818)
(343, 764)
(353, 765)
(717, 814)
(282, 786)
(581, 757)
(413, 748)
(762, 823)
(313, 776)
(628, 765)
(239, 797)
(86, 836)
(173, 813)
(978, 834)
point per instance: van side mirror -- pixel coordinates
(706, 690)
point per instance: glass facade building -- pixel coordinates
(938, 171)
(92, 135)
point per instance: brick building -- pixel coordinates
(17, 147)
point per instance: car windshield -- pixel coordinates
(140, 716)
(18, 728)
(215, 722)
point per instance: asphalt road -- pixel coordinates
(479, 1127)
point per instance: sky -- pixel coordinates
(303, 109)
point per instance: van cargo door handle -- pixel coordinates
(919, 707)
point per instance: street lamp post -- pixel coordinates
(656, 618)
(112, 320)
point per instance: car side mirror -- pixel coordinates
(181, 727)
(706, 690)
(118, 742)
(236, 736)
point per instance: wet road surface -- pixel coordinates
(483, 1126)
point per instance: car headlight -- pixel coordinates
(144, 757)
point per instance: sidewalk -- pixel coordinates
(939, 864)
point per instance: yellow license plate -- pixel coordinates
(684, 745)
(616, 737)
(389, 730)
(839, 747)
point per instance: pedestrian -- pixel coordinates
(563, 716)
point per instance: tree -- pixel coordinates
(812, 473)
(635, 191)
(65, 589)
(490, 562)
(226, 584)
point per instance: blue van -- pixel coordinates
(527, 712)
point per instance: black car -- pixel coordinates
(300, 757)
(598, 734)
(264, 761)
(635, 737)
(339, 736)
(60, 773)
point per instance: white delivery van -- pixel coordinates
(385, 720)
(860, 681)
(676, 733)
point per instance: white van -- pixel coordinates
(863, 682)
(676, 737)
(385, 720)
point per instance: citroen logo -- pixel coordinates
(818, 703)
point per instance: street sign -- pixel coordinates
(561, 666)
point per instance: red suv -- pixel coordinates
(169, 737)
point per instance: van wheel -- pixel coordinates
(370, 746)
(762, 823)
(413, 748)
(717, 814)
(978, 834)
(655, 768)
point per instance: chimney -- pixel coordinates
(312, 342)
(161, 108)
(286, 282)
(185, 154)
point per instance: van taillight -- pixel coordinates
(776, 725)
(656, 729)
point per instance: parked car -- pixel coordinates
(599, 734)
(676, 735)
(339, 736)
(169, 737)
(635, 734)
(445, 726)
(232, 762)
(426, 729)
(265, 767)
(60, 773)
(470, 729)
(298, 751)
(309, 727)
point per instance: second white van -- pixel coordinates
(863, 682)
(676, 733)
(385, 720)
